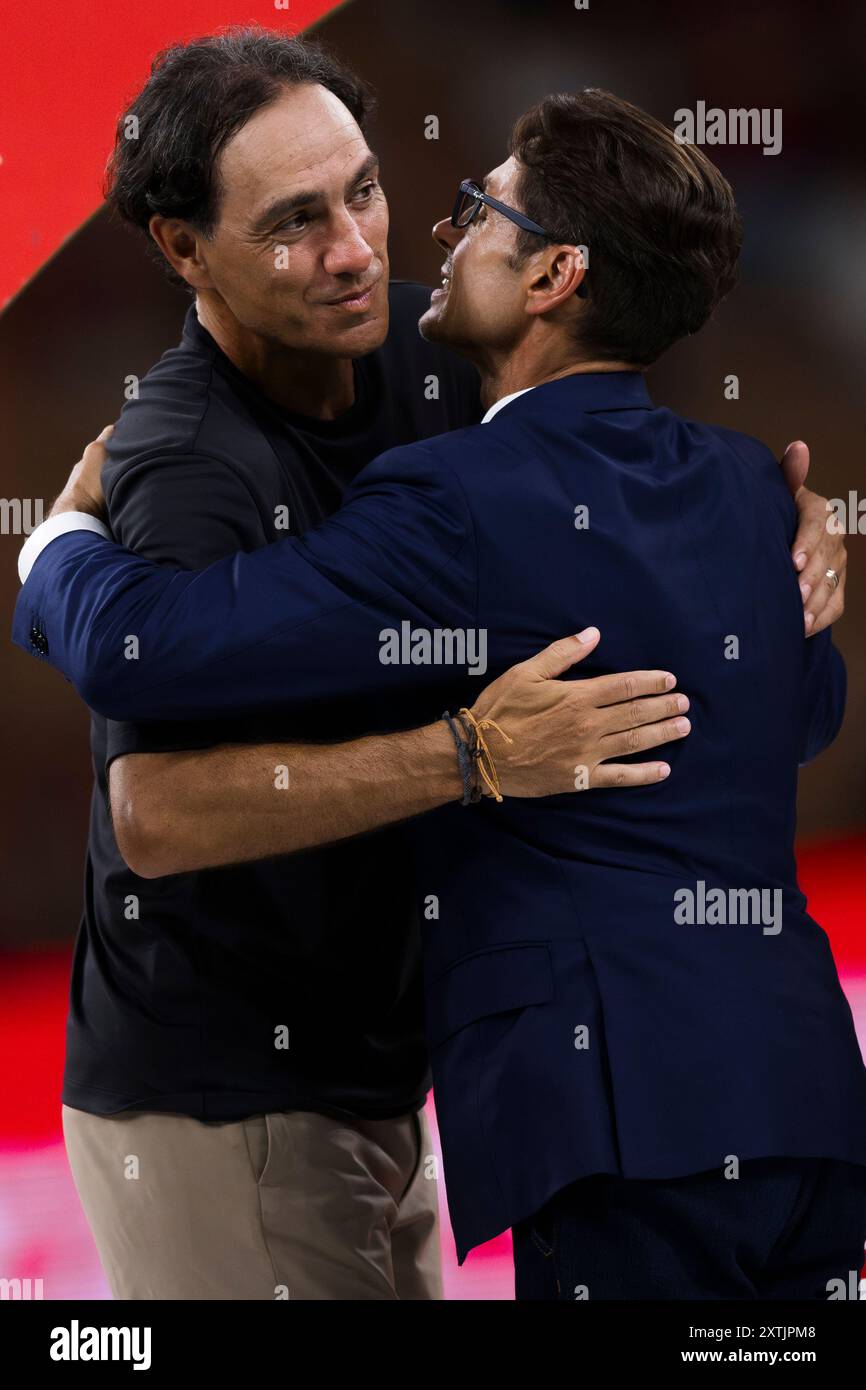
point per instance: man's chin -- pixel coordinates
(364, 337)
(433, 325)
(436, 326)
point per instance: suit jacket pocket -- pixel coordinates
(497, 980)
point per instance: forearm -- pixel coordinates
(178, 812)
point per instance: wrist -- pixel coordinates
(63, 505)
(440, 762)
(67, 503)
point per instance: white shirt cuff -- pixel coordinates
(52, 528)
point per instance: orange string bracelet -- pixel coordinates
(486, 765)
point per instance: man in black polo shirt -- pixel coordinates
(245, 1067)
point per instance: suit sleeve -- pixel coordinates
(187, 511)
(825, 689)
(299, 620)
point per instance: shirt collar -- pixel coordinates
(503, 400)
(584, 391)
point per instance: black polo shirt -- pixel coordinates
(293, 983)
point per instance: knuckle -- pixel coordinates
(629, 687)
(632, 740)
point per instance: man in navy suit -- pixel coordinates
(643, 1059)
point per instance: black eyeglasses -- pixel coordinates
(469, 201)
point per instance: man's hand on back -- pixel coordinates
(816, 549)
(565, 733)
(82, 491)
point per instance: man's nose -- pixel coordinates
(447, 236)
(349, 252)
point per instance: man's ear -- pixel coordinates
(557, 276)
(181, 245)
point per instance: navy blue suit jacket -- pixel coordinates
(577, 1023)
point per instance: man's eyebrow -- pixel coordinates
(283, 207)
(369, 164)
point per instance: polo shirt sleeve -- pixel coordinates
(185, 511)
(299, 620)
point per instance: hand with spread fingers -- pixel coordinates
(567, 735)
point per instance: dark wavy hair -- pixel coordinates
(657, 218)
(199, 94)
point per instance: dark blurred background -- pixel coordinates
(794, 333)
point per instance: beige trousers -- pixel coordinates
(292, 1205)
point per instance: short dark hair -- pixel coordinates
(657, 218)
(199, 94)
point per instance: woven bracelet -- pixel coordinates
(474, 753)
(464, 762)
